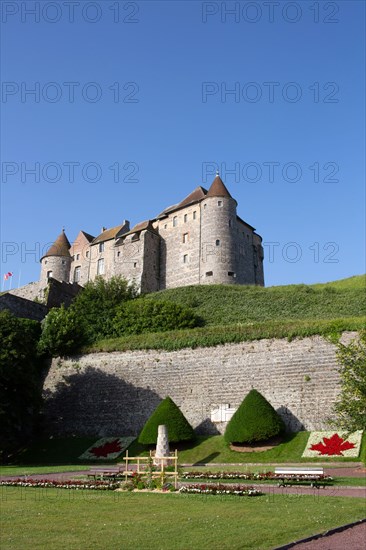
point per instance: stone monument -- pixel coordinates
(162, 445)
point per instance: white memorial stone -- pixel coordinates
(162, 445)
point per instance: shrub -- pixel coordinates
(96, 305)
(152, 316)
(167, 413)
(62, 333)
(20, 379)
(255, 420)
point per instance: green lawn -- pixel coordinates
(78, 520)
(214, 449)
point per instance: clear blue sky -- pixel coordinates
(176, 123)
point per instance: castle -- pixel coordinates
(200, 240)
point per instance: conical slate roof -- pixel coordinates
(60, 247)
(218, 189)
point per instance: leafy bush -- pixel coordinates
(96, 305)
(62, 333)
(20, 374)
(144, 315)
(255, 420)
(167, 413)
(350, 408)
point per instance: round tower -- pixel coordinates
(218, 236)
(56, 263)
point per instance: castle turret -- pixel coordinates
(218, 262)
(56, 262)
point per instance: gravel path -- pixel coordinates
(353, 538)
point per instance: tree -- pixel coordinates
(350, 408)
(168, 413)
(254, 420)
(96, 305)
(20, 379)
(62, 333)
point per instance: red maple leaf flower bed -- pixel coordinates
(333, 444)
(106, 449)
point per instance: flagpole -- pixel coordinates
(10, 282)
(20, 271)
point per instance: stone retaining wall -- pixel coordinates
(114, 393)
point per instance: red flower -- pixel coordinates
(107, 448)
(332, 446)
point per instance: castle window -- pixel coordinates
(118, 253)
(78, 256)
(204, 206)
(100, 267)
(63, 262)
(185, 258)
(185, 218)
(49, 274)
(231, 274)
(194, 214)
(165, 226)
(87, 253)
(219, 203)
(185, 237)
(77, 274)
(217, 242)
(209, 273)
(175, 221)
(101, 247)
(135, 264)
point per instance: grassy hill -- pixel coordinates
(239, 313)
(228, 304)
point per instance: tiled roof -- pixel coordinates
(142, 226)
(108, 234)
(218, 189)
(197, 195)
(60, 247)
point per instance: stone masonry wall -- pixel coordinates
(114, 393)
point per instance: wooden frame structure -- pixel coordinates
(145, 460)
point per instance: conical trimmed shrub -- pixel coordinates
(255, 420)
(168, 413)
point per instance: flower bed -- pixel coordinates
(269, 476)
(227, 475)
(59, 484)
(333, 444)
(107, 448)
(220, 489)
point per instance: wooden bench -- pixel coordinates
(109, 472)
(293, 476)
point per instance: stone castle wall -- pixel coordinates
(114, 393)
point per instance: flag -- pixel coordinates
(7, 275)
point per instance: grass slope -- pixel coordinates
(228, 304)
(243, 313)
(58, 519)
